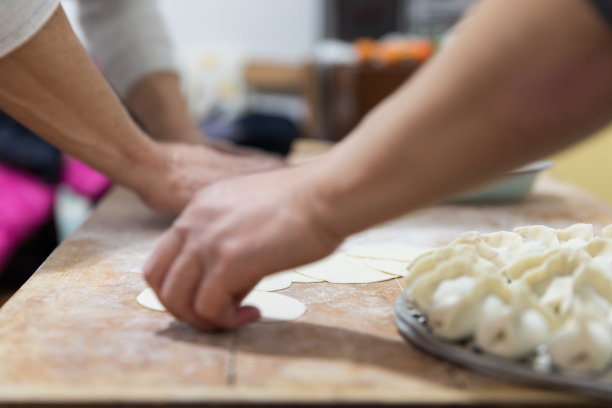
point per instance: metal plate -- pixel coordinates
(412, 325)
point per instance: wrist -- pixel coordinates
(318, 197)
(147, 170)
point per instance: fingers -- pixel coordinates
(162, 258)
(217, 306)
(179, 286)
(178, 276)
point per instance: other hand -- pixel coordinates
(184, 169)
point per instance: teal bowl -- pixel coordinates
(512, 187)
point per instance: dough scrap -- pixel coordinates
(272, 306)
(148, 299)
(341, 268)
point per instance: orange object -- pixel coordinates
(393, 52)
(365, 49)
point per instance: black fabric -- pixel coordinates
(28, 257)
(604, 7)
(270, 133)
(23, 150)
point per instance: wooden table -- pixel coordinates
(74, 333)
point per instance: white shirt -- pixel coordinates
(126, 37)
(20, 20)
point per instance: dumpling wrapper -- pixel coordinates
(388, 251)
(148, 299)
(341, 268)
(272, 306)
(274, 282)
(396, 268)
(282, 280)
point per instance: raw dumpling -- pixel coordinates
(431, 261)
(592, 292)
(575, 236)
(583, 344)
(483, 249)
(455, 277)
(606, 231)
(552, 282)
(600, 249)
(538, 237)
(537, 270)
(513, 329)
(458, 303)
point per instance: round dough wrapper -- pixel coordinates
(388, 251)
(282, 280)
(272, 306)
(277, 281)
(341, 268)
(396, 268)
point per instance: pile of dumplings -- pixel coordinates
(513, 293)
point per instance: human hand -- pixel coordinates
(184, 169)
(230, 236)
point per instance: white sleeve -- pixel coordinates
(127, 38)
(20, 20)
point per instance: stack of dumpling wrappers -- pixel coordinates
(515, 292)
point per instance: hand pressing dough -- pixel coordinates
(388, 251)
(272, 306)
(341, 268)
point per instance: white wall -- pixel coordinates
(275, 29)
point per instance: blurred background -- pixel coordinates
(322, 64)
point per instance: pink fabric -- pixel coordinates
(83, 179)
(25, 204)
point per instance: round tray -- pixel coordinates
(412, 326)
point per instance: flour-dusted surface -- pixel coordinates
(74, 333)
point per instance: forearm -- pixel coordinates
(158, 105)
(522, 79)
(50, 85)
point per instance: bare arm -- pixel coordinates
(50, 85)
(522, 79)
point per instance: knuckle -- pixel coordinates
(180, 228)
(227, 251)
(170, 301)
(208, 312)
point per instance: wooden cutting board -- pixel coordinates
(74, 333)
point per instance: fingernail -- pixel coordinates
(247, 314)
